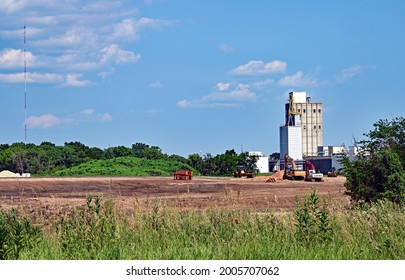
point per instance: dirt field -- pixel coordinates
(49, 196)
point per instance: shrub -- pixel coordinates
(378, 172)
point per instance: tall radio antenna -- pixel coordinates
(25, 89)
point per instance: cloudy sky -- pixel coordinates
(196, 76)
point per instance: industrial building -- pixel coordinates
(301, 137)
(301, 111)
(303, 119)
(262, 163)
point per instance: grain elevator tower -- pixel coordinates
(300, 111)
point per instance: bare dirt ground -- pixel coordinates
(50, 196)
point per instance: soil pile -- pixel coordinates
(273, 178)
(8, 174)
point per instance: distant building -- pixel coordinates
(262, 161)
(330, 150)
(301, 111)
(303, 119)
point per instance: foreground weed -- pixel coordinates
(88, 232)
(16, 235)
(313, 220)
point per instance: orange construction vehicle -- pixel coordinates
(183, 175)
(290, 170)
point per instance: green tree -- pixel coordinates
(275, 155)
(196, 161)
(378, 171)
(138, 149)
(119, 151)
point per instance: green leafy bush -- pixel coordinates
(378, 172)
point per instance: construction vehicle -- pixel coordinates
(311, 174)
(333, 172)
(240, 172)
(183, 175)
(290, 170)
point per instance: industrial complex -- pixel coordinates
(301, 138)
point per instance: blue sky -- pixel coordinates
(196, 76)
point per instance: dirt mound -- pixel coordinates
(273, 178)
(8, 174)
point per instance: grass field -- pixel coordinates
(102, 231)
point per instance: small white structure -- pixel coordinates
(299, 96)
(262, 161)
(263, 164)
(327, 151)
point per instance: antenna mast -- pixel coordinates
(25, 90)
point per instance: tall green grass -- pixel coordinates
(100, 230)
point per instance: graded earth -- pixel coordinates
(49, 196)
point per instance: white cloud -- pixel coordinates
(106, 117)
(105, 74)
(86, 36)
(89, 115)
(73, 80)
(156, 84)
(348, 73)
(32, 77)
(200, 104)
(240, 94)
(11, 6)
(145, 22)
(44, 121)
(115, 54)
(263, 84)
(226, 48)
(223, 86)
(298, 80)
(125, 30)
(152, 112)
(87, 111)
(12, 58)
(68, 80)
(258, 67)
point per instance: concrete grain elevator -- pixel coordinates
(303, 130)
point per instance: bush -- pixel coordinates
(378, 172)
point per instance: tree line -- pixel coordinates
(48, 157)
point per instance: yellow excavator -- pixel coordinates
(291, 172)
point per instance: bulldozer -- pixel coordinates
(290, 170)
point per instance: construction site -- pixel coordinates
(300, 168)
